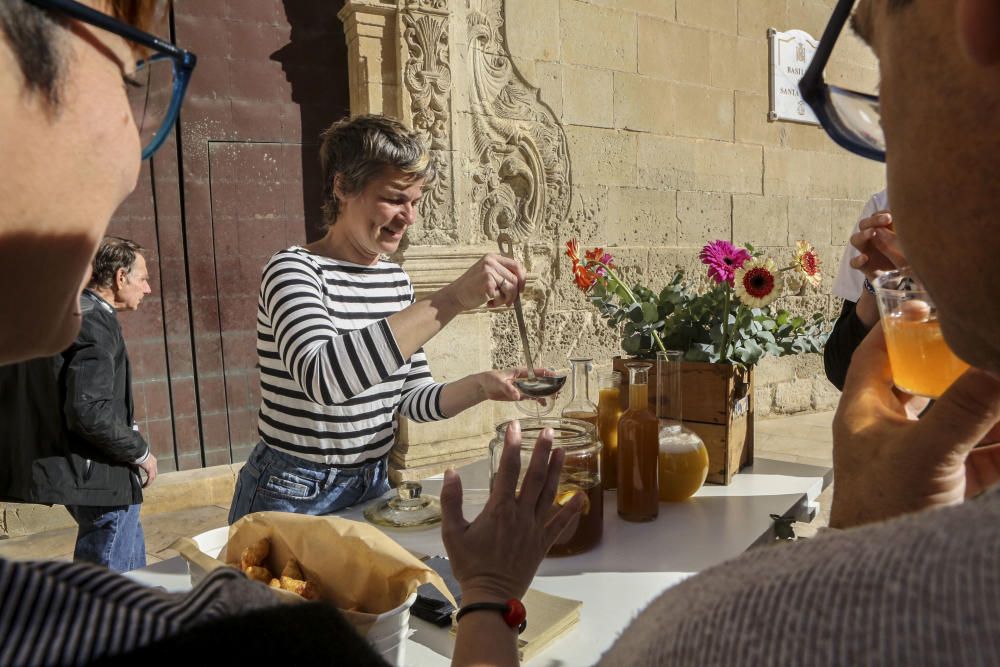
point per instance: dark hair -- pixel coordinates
(34, 37)
(114, 253)
(354, 150)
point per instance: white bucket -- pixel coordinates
(389, 632)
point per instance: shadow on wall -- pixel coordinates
(315, 63)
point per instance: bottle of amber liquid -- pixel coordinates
(580, 406)
(609, 411)
(638, 451)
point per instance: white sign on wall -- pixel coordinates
(791, 53)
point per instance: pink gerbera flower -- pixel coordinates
(723, 259)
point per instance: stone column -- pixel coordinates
(372, 56)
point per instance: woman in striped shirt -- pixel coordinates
(340, 335)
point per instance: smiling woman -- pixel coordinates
(340, 335)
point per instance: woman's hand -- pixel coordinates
(878, 246)
(494, 280)
(499, 385)
(887, 462)
(495, 557)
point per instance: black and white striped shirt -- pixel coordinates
(332, 378)
(58, 613)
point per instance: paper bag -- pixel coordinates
(354, 565)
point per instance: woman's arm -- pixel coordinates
(848, 332)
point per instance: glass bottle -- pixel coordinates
(609, 411)
(581, 473)
(683, 458)
(638, 449)
(580, 406)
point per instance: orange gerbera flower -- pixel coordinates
(582, 276)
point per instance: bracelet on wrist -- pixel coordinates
(869, 287)
(513, 611)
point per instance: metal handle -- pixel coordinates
(506, 245)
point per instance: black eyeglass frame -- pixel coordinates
(183, 61)
(817, 92)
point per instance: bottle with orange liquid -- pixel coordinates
(638, 449)
(580, 406)
(609, 411)
(683, 458)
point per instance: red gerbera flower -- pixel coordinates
(756, 282)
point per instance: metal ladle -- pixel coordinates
(532, 385)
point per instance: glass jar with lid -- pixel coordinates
(581, 473)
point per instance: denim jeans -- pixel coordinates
(273, 481)
(109, 536)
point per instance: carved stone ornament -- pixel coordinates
(522, 169)
(427, 76)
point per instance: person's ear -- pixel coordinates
(121, 277)
(979, 30)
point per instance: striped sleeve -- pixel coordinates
(75, 613)
(329, 367)
(421, 395)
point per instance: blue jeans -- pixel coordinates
(273, 481)
(109, 536)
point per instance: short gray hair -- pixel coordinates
(355, 150)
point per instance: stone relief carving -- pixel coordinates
(522, 169)
(427, 76)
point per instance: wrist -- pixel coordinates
(447, 301)
(487, 592)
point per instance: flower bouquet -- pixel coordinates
(733, 321)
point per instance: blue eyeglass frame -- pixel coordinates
(183, 61)
(816, 91)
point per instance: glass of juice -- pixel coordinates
(922, 363)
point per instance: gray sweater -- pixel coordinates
(919, 590)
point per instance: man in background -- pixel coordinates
(69, 420)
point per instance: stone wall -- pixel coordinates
(638, 125)
(664, 104)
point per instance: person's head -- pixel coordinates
(70, 154)
(119, 273)
(374, 170)
(940, 103)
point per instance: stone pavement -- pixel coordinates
(800, 439)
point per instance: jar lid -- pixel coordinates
(568, 433)
(407, 509)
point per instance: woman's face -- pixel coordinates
(374, 221)
(66, 170)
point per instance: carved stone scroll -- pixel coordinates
(522, 179)
(428, 80)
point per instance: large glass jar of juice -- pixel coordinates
(609, 411)
(638, 451)
(683, 458)
(580, 406)
(581, 473)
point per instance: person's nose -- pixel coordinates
(408, 214)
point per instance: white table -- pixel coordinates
(634, 563)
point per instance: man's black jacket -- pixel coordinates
(66, 434)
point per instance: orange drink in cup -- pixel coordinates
(922, 363)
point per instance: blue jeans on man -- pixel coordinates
(109, 536)
(273, 481)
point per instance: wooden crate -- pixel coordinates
(718, 405)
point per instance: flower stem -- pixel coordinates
(725, 326)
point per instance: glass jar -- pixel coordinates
(581, 473)
(580, 406)
(683, 457)
(609, 411)
(638, 450)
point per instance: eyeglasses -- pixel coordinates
(852, 119)
(156, 89)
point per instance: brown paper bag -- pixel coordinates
(354, 565)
